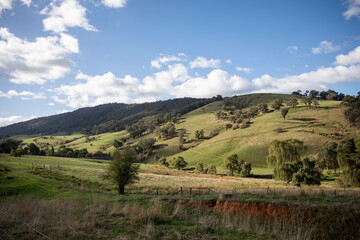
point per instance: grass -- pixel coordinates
(88, 209)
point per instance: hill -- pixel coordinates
(99, 119)
(315, 127)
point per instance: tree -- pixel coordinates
(163, 162)
(17, 153)
(52, 152)
(306, 173)
(231, 164)
(313, 94)
(328, 155)
(228, 126)
(200, 167)
(283, 156)
(117, 144)
(292, 102)
(284, 112)
(178, 163)
(147, 144)
(245, 170)
(277, 104)
(123, 170)
(167, 131)
(212, 169)
(199, 134)
(349, 161)
(263, 107)
(9, 144)
(316, 103)
(33, 149)
(352, 111)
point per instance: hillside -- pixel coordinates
(99, 119)
(315, 127)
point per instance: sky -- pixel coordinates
(60, 55)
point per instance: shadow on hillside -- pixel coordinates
(158, 146)
(304, 119)
(265, 176)
(189, 169)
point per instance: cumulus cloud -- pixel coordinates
(175, 81)
(244, 69)
(201, 62)
(228, 61)
(320, 78)
(325, 47)
(25, 62)
(351, 58)
(13, 119)
(65, 14)
(292, 49)
(97, 90)
(216, 82)
(114, 3)
(156, 63)
(353, 9)
(24, 95)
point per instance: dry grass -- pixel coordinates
(28, 219)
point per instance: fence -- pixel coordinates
(286, 191)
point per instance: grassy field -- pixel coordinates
(71, 200)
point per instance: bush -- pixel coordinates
(178, 163)
(212, 169)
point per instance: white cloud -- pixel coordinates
(216, 82)
(320, 78)
(292, 49)
(51, 104)
(244, 69)
(228, 61)
(5, 4)
(13, 119)
(8, 4)
(156, 63)
(44, 59)
(175, 81)
(97, 90)
(351, 58)
(25, 95)
(114, 3)
(353, 9)
(325, 47)
(65, 14)
(201, 62)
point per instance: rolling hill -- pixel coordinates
(315, 127)
(99, 119)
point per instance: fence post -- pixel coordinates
(181, 191)
(335, 193)
(157, 191)
(209, 191)
(190, 191)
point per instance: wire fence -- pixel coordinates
(288, 191)
(24, 223)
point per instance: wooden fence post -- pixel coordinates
(181, 191)
(190, 191)
(157, 191)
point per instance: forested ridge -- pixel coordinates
(103, 118)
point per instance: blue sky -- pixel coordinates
(57, 56)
